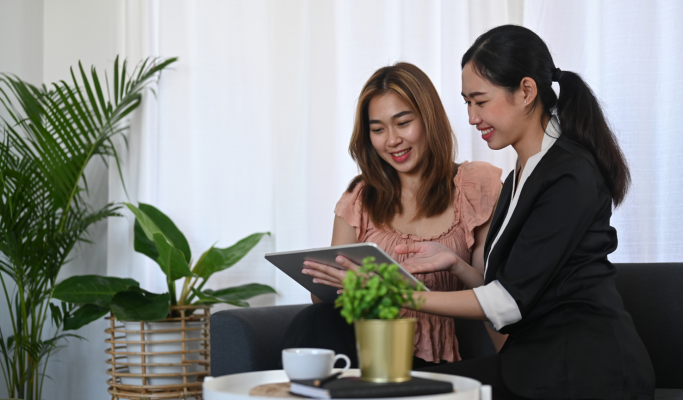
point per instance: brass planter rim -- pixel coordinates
(388, 321)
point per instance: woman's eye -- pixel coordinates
(467, 102)
(404, 123)
(480, 103)
(376, 130)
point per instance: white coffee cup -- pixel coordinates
(301, 364)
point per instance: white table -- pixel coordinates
(237, 386)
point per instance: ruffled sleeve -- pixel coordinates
(478, 184)
(350, 209)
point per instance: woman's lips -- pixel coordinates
(402, 155)
(487, 133)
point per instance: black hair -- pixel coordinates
(507, 54)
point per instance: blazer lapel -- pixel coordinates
(499, 214)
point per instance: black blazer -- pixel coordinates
(575, 340)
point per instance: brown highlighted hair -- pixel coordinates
(381, 196)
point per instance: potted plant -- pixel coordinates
(372, 299)
(48, 137)
(156, 236)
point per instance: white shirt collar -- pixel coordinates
(552, 133)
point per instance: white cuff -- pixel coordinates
(499, 306)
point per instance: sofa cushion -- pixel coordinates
(249, 339)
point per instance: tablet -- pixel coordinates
(292, 262)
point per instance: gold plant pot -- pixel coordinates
(385, 349)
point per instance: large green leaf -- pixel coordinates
(170, 259)
(149, 227)
(236, 252)
(231, 255)
(142, 244)
(140, 305)
(243, 292)
(84, 315)
(168, 228)
(205, 298)
(210, 262)
(91, 289)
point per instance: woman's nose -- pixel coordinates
(474, 117)
(394, 138)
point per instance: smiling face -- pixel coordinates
(501, 117)
(396, 132)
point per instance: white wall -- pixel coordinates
(21, 39)
(21, 53)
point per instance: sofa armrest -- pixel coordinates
(651, 295)
(249, 339)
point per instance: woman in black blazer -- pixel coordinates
(548, 283)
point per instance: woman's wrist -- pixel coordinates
(456, 266)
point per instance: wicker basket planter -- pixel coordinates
(160, 360)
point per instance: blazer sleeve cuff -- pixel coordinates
(499, 306)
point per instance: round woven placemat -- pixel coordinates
(279, 390)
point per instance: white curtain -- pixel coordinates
(630, 53)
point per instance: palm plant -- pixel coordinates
(50, 136)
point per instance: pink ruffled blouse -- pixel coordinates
(477, 186)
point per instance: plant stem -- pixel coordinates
(192, 285)
(41, 321)
(183, 293)
(186, 285)
(9, 303)
(5, 367)
(171, 289)
(14, 330)
(24, 335)
(29, 386)
(39, 389)
(189, 301)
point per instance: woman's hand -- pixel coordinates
(428, 257)
(432, 257)
(326, 275)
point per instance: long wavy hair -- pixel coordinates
(381, 196)
(507, 54)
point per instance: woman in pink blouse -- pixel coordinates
(409, 190)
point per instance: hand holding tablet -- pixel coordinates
(292, 263)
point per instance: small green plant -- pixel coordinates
(375, 292)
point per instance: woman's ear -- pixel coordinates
(528, 90)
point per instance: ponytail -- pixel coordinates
(507, 54)
(582, 121)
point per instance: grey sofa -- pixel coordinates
(251, 339)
